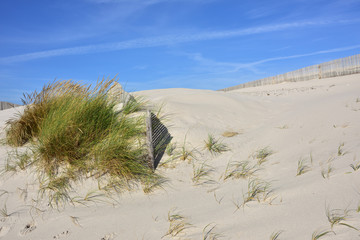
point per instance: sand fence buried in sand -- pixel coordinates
(335, 68)
(158, 137)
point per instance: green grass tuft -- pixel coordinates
(239, 169)
(262, 154)
(214, 146)
(75, 132)
(319, 234)
(302, 167)
(178, 223)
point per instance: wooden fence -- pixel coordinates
(338, 67)
(158, 137)
(6, 105)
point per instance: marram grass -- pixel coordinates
(74, 132)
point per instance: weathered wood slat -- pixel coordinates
(338, 67)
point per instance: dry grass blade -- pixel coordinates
(356, 166)
(257, 190)
(302, 167)
(319, 234)
(75, 221)
(275, 235)
(201, 174)
(337, 217)
(229, 134)
(178, 223)
(152, 183)
(340, 151)
(209, 234)
(241, 169)
(262, 154)
(325, 173)
(4, 212)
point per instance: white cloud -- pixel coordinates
(216, 67)
(163, 40)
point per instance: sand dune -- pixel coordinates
(314, 122)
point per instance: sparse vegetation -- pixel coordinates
(325, 173)
(302, 167)
(4, 212)
(337, 217)
(355, 166)
(241, 169)
(209, 234)
(185, 153)
(201, 174)
(262, 154)
(178, 223)
(275, 235)
(340, 151)
(319, 234)
(75, 133)
(214, 146)
(257, 190)
(170, 149)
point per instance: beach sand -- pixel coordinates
(315, 122)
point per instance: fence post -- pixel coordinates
(149, 139)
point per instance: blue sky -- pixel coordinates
(151, 44)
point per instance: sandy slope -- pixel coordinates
(304, 120)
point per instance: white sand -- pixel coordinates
(294, 120)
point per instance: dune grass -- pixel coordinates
(257, 190)
(319, 234)
(74, 132)
(239, 169)
(276, 235)
(262, 154)
(302, 167)
(214, 146)
(178, 223)
(202, 173)
(209, 233)
(338, 217)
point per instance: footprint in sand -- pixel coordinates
(28, 228)
(4, 230)
(62, 235)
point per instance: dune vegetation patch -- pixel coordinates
(73, 131)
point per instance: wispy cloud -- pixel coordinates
(217, 67)
(166, 40)
(307, 54)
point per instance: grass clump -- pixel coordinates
(337, 217)
(319, 234)
(178, 223)
(214, 146)
(302, 167)
(262, 154)
(340, 151)
(209, 234)
(257, 190)
(75, 132)
(355, 166)
(239, 169)
(202, 173)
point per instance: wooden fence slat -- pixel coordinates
(338, 67)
